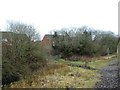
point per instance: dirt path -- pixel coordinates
(110, 76)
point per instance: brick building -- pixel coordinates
(47, 42)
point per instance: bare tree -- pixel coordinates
(22, 28)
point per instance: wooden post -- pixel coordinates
(108, 52)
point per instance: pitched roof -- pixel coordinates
(10, 35)
(49, 36)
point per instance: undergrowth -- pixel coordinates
(61, 75)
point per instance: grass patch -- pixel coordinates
(70, 77)
(51, 69)
(61, 75)
(96, 62)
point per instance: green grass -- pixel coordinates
(62, 61)
(61, 75)
(96, 62)
(61, 78)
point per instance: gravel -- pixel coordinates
(110, 77)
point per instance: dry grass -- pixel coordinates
(60, 75)
(39, 76)
(61, 78)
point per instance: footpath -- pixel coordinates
(110, 76)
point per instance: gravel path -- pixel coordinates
(110, 76)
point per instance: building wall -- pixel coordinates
(47, 44)
(10, 37)
(46, 41)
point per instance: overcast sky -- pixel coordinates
(47, 15)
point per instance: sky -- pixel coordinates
(47, 15)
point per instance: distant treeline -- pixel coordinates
(84, 41)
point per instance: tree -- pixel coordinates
(84, 41)
(22, 54)
(22, 28)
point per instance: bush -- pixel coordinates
(83, 41)
(9, 73)
(21, 62)
(21, 54)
